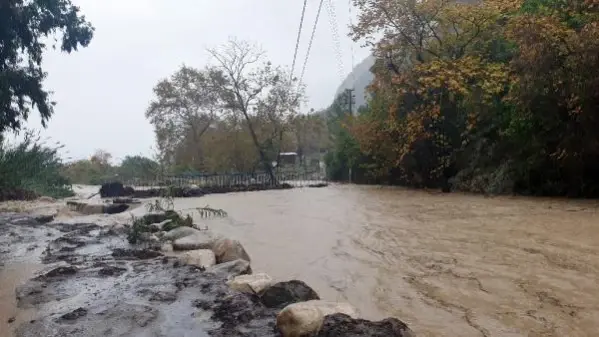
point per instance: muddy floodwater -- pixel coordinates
(446, 264)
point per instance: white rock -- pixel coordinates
(306, 318)
(227, 250)
(180, 232)
(167, 247)
(199, 240)
(200, 257)
(251, 284)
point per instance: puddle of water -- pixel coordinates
(11, 276)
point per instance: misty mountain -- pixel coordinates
(358, 79)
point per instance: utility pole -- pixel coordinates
(350, 99)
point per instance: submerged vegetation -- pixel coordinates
(162, 216)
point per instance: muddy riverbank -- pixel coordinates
(88, 280)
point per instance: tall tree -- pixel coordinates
(24, 27)
(138, 167)
(101, 158)
(310, 133)
(186, 104)
(251, 86)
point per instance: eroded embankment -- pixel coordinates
(95, 283)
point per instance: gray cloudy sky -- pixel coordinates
(103, 90)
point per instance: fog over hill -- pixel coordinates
(359, 78)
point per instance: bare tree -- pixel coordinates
(101, 158)
(251, 86)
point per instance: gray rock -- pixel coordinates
(200, 258)
(231, 269)
(283, 293)
(250, 284)
(227, 250)
(180, 232)
(198, 240)
(340, 325)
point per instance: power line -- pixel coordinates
(299, 33)
(310, 43)
(335, 32)
(349, 5)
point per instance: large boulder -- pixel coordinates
(287, 292)
(306, 318)
(227, 250)
(340, 325)
(114, 189)
(198, 240)
(203, 258)
(250, 284)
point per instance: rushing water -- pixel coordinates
(447, 264)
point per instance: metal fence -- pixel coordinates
(295, 178)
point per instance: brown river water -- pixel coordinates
(446, 264)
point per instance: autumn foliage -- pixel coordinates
(495, 96)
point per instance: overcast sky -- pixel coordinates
(102, 91)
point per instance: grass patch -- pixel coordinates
(30, 169)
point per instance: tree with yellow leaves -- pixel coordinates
(500, 95)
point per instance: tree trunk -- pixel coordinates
(266, 164)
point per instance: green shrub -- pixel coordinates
(142, 224)
(31, 168)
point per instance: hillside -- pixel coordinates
(359, 78)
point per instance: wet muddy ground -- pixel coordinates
(94, 284)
